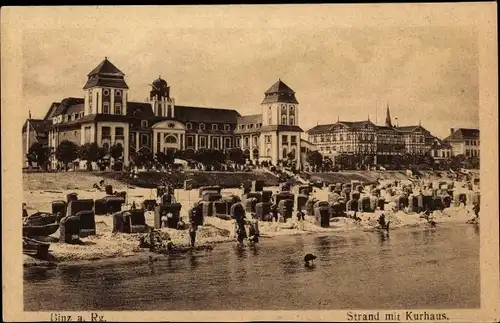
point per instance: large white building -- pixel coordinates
(104, 115)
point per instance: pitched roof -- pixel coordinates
(106, 67)
(40, 126)
(386, 128)
(350, 124)
(407, 128)
(250, 119)
(356, 124)
(106, 74)
(463, 133)
(280, 92)
(77, 108)
(279, 87)
(65, 104)
(51, 110)
(140, 110)
(320, 128)
(206, 115)
(105, 81)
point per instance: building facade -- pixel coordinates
(368, 139)
(464, 141)
(105, 116)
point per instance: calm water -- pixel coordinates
(413, 268)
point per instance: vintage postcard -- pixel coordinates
(250, 162)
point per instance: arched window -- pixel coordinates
(284, 153)
(170, 139)
(189, 126)
(294, 153)
(283, 119)
(105, 146)
(292, 120)
(144, 123)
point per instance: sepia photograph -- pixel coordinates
(260, 158)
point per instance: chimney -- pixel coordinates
(452, 131)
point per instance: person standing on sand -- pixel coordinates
(476, 209)
(170, 245)
(300, 215)
(180, 224)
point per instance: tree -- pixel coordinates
(315, 159)
(161, 158)
(236, 155)
(91, 152)
(116, 151)
(457, 162)
(344, 160)
(67, 152)
(144, 158)
(40, 154)
(475, 162)
(398, 161)
(170, 156)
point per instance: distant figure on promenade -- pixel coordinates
(133, 207)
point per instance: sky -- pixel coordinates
(340, 69)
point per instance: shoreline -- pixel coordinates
(68, 258)
(108, 245)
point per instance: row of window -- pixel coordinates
(441, 153)
(201, 126)
(249, 126)
(472, 142)
(106, 131)
(471, 153)
(118, 108)
(340, 137)
(348, 148)
(72, 117)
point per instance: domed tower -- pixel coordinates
(163, 105)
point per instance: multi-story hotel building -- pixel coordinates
(367, 138)
(104, 115)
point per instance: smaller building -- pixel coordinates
(440, 150)
(464, 141)
(34, 131)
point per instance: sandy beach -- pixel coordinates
(40, 191)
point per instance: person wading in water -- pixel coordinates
(192, 233)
